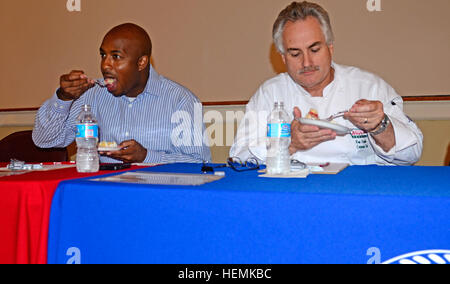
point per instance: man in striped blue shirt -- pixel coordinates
(154, 120)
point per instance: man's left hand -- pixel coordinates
(130, 152)
(366, 115)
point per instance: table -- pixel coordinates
(25, 202)
(365, 214)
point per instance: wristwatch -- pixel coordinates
(382, 127)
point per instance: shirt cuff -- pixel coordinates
(59, 105)
(403, 140)
(153, 157)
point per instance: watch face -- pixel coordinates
(383, 126)
(386, 120)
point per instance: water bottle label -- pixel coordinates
(87, 131)
(281, 130)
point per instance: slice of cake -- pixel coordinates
(312, 114)
(105, 144)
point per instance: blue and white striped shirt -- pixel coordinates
(166, 119)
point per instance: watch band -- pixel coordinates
(382, 127)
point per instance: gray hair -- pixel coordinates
(300, 11)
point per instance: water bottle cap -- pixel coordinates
(279, 104)
(86, 107)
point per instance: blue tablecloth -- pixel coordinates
(365, 214)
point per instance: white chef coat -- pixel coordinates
(350, 84)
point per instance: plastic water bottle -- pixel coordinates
(278, 160)
(87, 139)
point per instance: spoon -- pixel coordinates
(100, 83)
(336, 115)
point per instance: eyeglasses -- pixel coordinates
(297, 165)
(235, 164)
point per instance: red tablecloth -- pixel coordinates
(25, 202)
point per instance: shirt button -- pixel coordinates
(130, 105)
(127, 134)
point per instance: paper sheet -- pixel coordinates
(160, 178)
(293, 174)
(330, 169)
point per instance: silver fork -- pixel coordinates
(336, 115)
(100, 83)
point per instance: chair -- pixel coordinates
(20, 146)
(447, 157)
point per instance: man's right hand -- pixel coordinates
(73, 85)
(305, 137)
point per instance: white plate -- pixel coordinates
(340, 130)
(108, 149)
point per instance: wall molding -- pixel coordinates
(426, 98)
(234, 103)
(17, 118)
(416, 109)
(405, 99)
(427, 110)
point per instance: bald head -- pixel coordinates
(136, 35)
(125, 54)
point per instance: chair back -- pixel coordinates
(20, 146)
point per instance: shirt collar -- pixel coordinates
(154, 82)
(153, 87)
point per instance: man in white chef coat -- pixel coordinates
(381, 132)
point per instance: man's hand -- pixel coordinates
(305, 137)
(130, 152)
(73, 85)
(366, 115)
